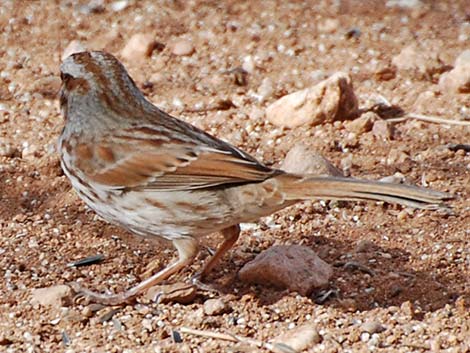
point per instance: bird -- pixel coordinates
(160, 177)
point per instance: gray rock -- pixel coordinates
(301, 160)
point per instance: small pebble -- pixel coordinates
(182, 47)
(7, 149)
(299, 338)
(382, 129)
(364, 246)
(215, 307)
(87, 312)
(372, 326)
(362, 124)
(138, 47)
(147, 324)
(119, 5)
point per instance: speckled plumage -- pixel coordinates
(155, 175)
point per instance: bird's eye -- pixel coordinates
(65, 77)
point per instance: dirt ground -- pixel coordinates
(417, 293)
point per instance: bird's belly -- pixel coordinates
(167, 214)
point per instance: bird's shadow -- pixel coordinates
(376, 278)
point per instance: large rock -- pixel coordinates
(330, 100)
(295, 267)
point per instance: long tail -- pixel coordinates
(337, 188)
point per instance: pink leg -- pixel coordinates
(187, 251)
(231, 235)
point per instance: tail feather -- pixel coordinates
(338, 188)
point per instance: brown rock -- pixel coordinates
(56, 296)
(215, 307)
(330, 100)
(138, 47)
(182, 47)
(299, 338)
(182, 293)
(295, 267)
(382, 129)
(301, 160)
(362, 124)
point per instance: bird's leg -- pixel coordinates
(231, 235)
(187, 250)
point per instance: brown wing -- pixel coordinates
(157, 164)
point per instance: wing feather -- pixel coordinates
(172, 166)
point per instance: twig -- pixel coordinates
(272, 347)
(430, 119)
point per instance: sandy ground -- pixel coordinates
(418, 293)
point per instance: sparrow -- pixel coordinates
(157, 176)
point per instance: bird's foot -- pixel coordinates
(86, 296)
